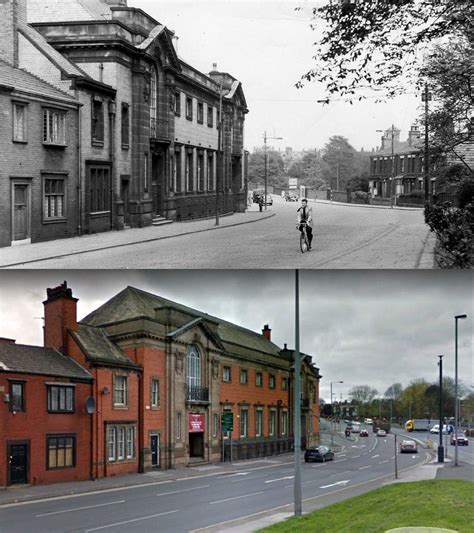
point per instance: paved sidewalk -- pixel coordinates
(15, 256)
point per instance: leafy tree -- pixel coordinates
(413, 399)
(341, 161)
(309, 169)
(358, 184)
(275, 166)
(394, 392)
(369, 43)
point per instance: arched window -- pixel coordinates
(193, 367)
(153, 101)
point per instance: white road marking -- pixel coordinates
(355, 456)
(130, 521)
(382, 462)
(279, 479)
(80, 508)
(345, 482)
(320, 465)
(374, 456)
(340, 460)
(341, 473)
(364, 467)
(237, 474)
(183, 490)
(236, 497)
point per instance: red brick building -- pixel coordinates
(44, 424)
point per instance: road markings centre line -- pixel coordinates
(79, 508)
(236, 497)
(364, 467)
(279, 479)
(382, 462)
(184, 490)
(374, 456)
(345, 482)
(130, 521)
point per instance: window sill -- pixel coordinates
(59, 220)
(189, 118)
(210, 125)
(100, 214)
(54, 145)
(125, 147)
(19, 141)
(200, 121)
(98, 143)
(120, 407)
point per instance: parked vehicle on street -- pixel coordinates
(418, 424)
(292, 198)
(269, 200)
(320, 453)
(446, 429)
(363, 433)
(355, 428)
(461, 438)
(381, 433)
(408, 446)
(368, 421)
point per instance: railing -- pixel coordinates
(197, 394)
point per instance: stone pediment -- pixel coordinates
(196, 330)
(159, 44)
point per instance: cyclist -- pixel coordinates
(305, 214)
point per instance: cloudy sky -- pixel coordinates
(362, 327)
(268, 46)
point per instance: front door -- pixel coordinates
(125, 199)
(18, 461)
(155, 450)
(196, 445)
(20, 212)
(158, 176)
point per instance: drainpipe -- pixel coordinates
(112, 112)
(79, 171)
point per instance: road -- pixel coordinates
(345, 237)
(208, 501)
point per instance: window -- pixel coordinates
(226, 374)
(193, 367)
(189, 170)
(189, 108)
(271, 381)
(259, 422)
(210, 172)
(200, 171)
(54, 199)
(284, 423)
(178, 426)
(155, 392)
(200, 112)
(153, 101)
(61, 451)
(214, 425)
(97, 121)
(272, 423)
(125, 130)
(60, 399)
(120, 390)
(243, 376)
(19, 122)
(17, 396)
(244, 419)
(54, 127)
(120, 443)
(177, 103)
(210, 116)
(99, 189)
(177, 170)
(259, 379)
(284, 383)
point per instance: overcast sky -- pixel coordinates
(268, 46)
(361, 327)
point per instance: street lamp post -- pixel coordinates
(332, 412)
(456, 399)
(392, 163)
(266, 166)
(440, 446)
(426, 97)
(297, 404)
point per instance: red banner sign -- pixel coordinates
(196, 423)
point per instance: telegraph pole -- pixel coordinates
(266, 165)
(426, 97)
(440, 446)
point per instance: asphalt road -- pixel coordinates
(345, 237)
(213, 499)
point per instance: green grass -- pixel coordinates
(437, 503)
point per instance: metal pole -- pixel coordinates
(297, 403)
(440, 446)
(396, 464)
(332, 419)
(231, 445)
(266, 169)
(220, 142)
(392, 168)
(427, 155)
(456, 399)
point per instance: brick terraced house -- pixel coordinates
(160, 376)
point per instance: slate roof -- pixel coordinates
(24, 81)
(98, 348)
(25, 359)
(67, 10)
(133, 303)
(403, 147)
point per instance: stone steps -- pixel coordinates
(160, 221)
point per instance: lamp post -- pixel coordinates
(297, 404)
(332, 412)
(456, 399)
(392, 163)
(440, 446)
(426, 97)
(266, 166)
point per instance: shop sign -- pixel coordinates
(196, 423)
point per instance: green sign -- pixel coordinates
(227, 421)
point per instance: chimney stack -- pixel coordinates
(414, 135)
(12, 17)
(60, 315)
(267, 332)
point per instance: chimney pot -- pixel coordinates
(267, 332)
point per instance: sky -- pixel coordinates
(268, 46)
(371, 328)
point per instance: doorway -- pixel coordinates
(155, 450)
(126, 201)
(196, 445)
(21, 212)
(18, 464)
(157, 183)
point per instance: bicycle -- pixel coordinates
(304, 241)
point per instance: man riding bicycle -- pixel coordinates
(305, 216)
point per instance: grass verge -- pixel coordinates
(436, 503)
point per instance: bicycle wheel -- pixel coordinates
(303, 242)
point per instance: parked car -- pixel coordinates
(269, 200)
(381, 433)
(292, 198)
(368, 421)
(363, 433)
(355, 428)
(320, 453)
(461, 438)
(446, 429)
(408, 446)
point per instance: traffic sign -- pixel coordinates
(227, 421)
